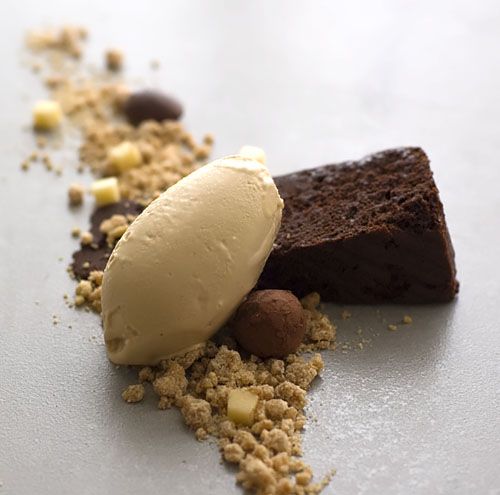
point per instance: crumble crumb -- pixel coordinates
(320, 333)
(133, 393)
(345, 315)
(67, 40)
(89, 291)
(233, 453)
(76, 193)
(47, 161)
(275, 408)
(79, 300)
(407, 320)
(86, 238)
(208, 139)
(146, 374)
(172, 383)
(392, 327)
(114, 59)
(114, 227)
(197, 413)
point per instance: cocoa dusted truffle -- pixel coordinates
(270, 323)
(151, 105)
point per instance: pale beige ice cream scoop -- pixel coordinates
(187, 262)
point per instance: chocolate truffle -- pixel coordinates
(151, 105)
(270, 323)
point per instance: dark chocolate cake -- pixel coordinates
(365, 231)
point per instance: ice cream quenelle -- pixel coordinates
(187, 262)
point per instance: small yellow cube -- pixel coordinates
(254, 153)
(47, 115)
(125, 156)
(105, 191)
(241, 406)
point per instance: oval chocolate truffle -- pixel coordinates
(151, 105)
(270, 323)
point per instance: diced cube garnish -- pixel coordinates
(241, 406)
(105, 191)
(125, 156)
(47, 114)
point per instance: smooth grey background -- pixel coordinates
(415, 412)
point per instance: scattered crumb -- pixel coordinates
(76, 193)
(41, 141)
(76, 231)
(146, 374)
(320, 333)
(392, 327)
(208, 139)
(86, 238)
(47, 161)
(89, 291)
(67, 40)
(79, 300)
(114, 227)
(133, 393)
(407, 320)
(345, 314)
(114, 59)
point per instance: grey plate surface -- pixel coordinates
(414, 412)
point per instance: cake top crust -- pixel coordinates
(385, 190)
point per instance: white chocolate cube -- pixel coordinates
(125, 156)
(47, 114)
(254, 153)
(241, 406)
(105, 191)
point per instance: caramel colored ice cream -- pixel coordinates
(186, 263)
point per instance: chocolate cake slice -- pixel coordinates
(365, 231)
